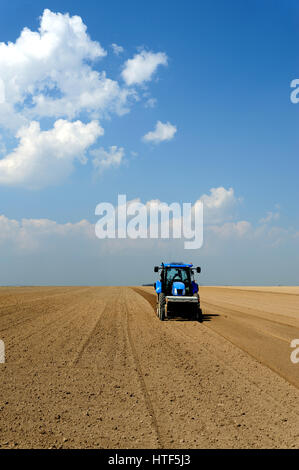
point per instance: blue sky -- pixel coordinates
(225, 88)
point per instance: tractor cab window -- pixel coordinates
(176, 274)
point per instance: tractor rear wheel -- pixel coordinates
(198, 314)
(161, 306)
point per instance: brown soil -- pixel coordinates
(94, 367)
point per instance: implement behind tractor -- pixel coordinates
(177, 290)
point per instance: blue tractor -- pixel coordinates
(177, 290)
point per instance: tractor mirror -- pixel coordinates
(156, 269)
(198, 269)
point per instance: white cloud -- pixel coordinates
(3, 149)
(238, 250)
(46, 157)
(218, 197)
(2, 91)
(45, 72)
(232, 229)
(151, 103)
(219, 205)
(107, 158)
(270, 217)
(50, 73)
(30, 235)
(142, 67)
(162, 132)
(117, 49)
(218, 209)
(32, 232)
(234, 252)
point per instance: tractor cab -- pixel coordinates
(177, 280)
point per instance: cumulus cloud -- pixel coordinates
(142, 67)
(218, 209)
(50, 75)
(69, 253)
(29, 235)
(2, 91)
(47, 157)
(3, 149)
(233, 251)
(232, 229)
(271, 216)
(151, 103)
(219, 204)
(117, 49)
(218, 197)
(162, 132)
(42, 251)
(107, 158)
(48, 72)
(34, 234)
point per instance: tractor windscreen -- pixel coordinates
(177, 274)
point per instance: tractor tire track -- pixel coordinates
(145, 391)
(74, 362)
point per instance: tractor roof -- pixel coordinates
(177, 265)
